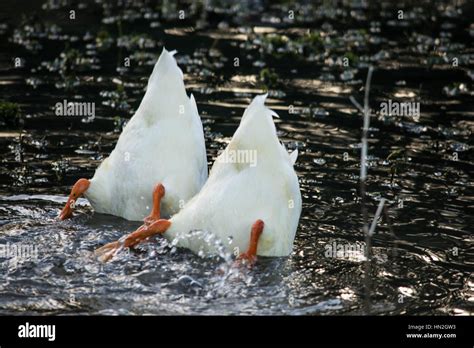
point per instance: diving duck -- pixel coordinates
(163, 142)
(251, 201)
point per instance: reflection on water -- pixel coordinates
(420, 163)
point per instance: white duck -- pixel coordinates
(259, 194)
(162, 143)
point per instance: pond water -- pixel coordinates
(311, 63)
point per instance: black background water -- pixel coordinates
(423, 267)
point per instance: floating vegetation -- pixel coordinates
(116, 99)
(456, 89)
(60, 168)
(21, 176)
(284, 47)
(103, 40)
(136, 41)
(352, 58)
(228, 53)
(69, 63)
(268, 78)
(311, 43)
(9, 114)
(144, 58)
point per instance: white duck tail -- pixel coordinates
(243, 188)
(165, 90)
(162, 142)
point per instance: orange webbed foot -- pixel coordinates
(77, 191)
(152, 225)
(158, 194)
(108, 251)
(249, 257)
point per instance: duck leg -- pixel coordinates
(77, 191)
(106, 252)
(250, 256)
(158, 194)
(152, 225)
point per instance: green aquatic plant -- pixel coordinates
(268, 78)
(352, 57)
(116, 99)
(120, 89)
(312, 39)
(312, 42)
(71, 55)
(136, 41)
(9, 114)
(68, 60)
(279, 46)
(103, 40)
(285, 47)
(275, 40)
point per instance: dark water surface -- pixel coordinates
(423, 262)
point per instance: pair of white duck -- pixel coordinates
(254, 205)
